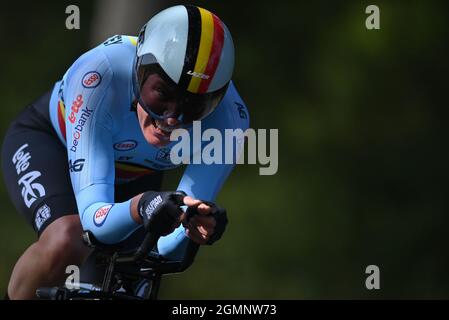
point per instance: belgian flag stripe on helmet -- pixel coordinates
(193, 43)
(204, 46)
(207, 37)
(214, 58)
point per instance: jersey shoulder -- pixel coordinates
(231, 113)
(116, 55)
(119, 51)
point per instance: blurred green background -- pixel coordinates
(363, 156)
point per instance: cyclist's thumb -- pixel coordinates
(178, 197)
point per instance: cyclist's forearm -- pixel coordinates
(109, 222)
(173, 246)
(134, 211)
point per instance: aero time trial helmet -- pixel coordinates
(192, 50)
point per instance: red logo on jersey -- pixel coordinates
(76, 105)
(91, 79)
(101, 214)
(125, 145)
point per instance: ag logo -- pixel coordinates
(91, 79)
(77, 165)
(101, 215)
(163, 155)
(113, 40)
(241, 109)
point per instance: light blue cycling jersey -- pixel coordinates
(91, 111)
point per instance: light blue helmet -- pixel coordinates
(192, 49)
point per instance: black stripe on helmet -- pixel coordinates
(193, 45)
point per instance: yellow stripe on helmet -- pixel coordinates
(207, 37)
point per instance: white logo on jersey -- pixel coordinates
(42, 215)
(29, 188)
(152, 206)
(30, 191)
(21, 159)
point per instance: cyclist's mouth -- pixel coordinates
(162, 128)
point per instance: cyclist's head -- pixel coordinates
(184, 62)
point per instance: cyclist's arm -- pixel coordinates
(89, 145)
(205, 181)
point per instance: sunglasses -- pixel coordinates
(189, 106)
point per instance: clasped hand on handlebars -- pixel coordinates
(161, 213)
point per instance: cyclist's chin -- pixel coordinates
(152, 134)
(155, 137)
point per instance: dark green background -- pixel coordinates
(362, 146)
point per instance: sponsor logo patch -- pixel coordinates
(76, 165)
(163, 155)
(76, 105)
(198, 75)
(42, 215)
(153, 205)
(21, 159)
(31, 190)
(241, 109)
(91, 79)
(101, 215)
(85, 115)
(125, 145)
(113, 40)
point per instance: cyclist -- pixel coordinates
(89, 154)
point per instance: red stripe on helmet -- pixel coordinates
(214, 58)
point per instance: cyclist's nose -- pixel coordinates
(171, 112)
(172, 121)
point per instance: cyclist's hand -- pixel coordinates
(204, 221)
(160, 211)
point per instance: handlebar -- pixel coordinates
(150, 240)
(143, 255)
(149, 265)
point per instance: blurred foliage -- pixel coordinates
(362, 158)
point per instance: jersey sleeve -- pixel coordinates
(204, 181)
(89, 129)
